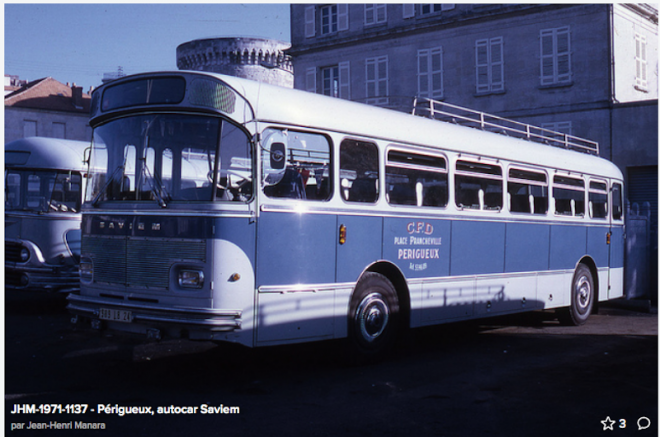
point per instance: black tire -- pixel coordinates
(583, 294)
(373, 318)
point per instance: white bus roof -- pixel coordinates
(46, 153)
(282, 105)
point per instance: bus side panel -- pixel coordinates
(597, 246)
(363, 246)
(295, 248)
(527, 247)
(501, 294)
(447, 300)
(477, 248)
(568, 244)
(419, 248)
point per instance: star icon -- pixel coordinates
(608, 424)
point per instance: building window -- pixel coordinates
(377, 82)
(334, 18)
(489, 56)
(59, 130)
(429, 73)
(640, 62)
(435, 7)
(375, 14)
(328, 19)
(29, 128)
(564, 127)
(555, 56)
(555, 133)
(330, 77)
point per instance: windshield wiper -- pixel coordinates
(156, 186)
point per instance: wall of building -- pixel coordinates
(75, 126)
(627, 25)
(456, 32)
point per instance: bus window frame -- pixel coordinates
(490, 176)
(377, 179)
(419, 152)
(330, 170)
(561, 186)
(546, 184)
(599, 191)
(621, 200)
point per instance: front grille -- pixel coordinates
(141, 262)
(13, 251)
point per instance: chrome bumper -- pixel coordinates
(149, 316)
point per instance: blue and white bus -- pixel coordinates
(316, 218)
(43, 198)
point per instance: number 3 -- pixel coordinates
(622, 423)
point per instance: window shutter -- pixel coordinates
(310, 21)
(344, 81)
(423, 73)
(342, 16)
(481, 54)
(310, 80)
(408, 10)
(497, 64)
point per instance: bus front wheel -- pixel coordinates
(373, 317)
(583, 294)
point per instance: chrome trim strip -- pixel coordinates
(425, 215)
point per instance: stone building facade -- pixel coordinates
(258, 59)
(589, 70)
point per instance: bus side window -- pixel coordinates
(597, 199)
(478, 186)
(568, 194)
(305, 173)
(359, 171)
(617, 202)
(415, 179)
(527, 191)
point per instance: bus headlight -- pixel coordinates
(191, 278)
(25, 254)
(86, 269)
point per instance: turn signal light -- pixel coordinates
(342, 234)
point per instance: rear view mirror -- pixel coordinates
(277, 156)
(274, 150)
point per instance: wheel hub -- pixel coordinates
(372, 317)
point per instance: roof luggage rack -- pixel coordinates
(480, 120)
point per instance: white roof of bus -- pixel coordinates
(283, 105)
(48, 153)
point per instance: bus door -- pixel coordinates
(295, 238)
(616, 242)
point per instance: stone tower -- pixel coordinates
(258, 59)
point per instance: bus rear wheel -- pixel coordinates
(583, 293)
(373, 317)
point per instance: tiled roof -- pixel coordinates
(48, 94)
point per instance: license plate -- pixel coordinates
(115, 315)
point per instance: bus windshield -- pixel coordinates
(170, 157)
(42, 191)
